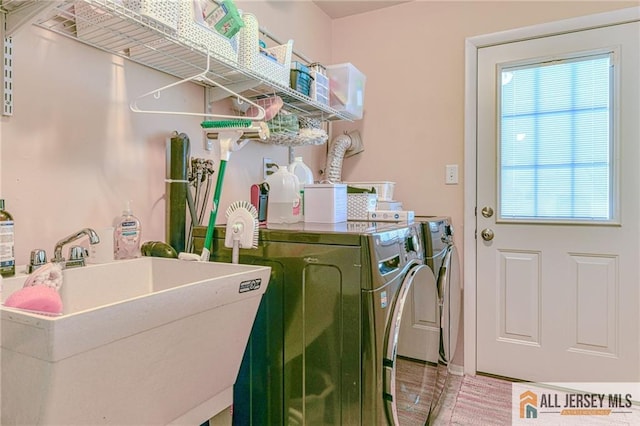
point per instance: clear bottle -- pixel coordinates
(283, 205)
(7, 239)
(305, 177)
(126, 235)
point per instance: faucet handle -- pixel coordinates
(77, 253)
(37, 259)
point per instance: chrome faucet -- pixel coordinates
(57, 253)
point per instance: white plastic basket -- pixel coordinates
(384, 189)
(191, 26)
(276, 69)
(359, 205)
(319, 88)
(165, 12)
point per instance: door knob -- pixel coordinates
(487, 211)
(487, 234)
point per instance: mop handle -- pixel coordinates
(208, 240)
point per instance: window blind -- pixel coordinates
(555, 140)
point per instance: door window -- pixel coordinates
(555, 154)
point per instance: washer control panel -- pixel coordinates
(392, 249)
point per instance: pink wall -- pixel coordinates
(413, 57)
(73, 152)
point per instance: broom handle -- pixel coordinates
(208, 240)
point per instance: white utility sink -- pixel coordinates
(146, 341)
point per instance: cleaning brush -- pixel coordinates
(247, 129)
(217, 124)
(231, 138)
(242, 228)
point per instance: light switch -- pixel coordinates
(451, 177)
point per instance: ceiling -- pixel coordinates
(339, 9)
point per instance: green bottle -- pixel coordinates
(7, 254)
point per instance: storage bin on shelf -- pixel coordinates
(193, 28)
(346, 87)
(320, 84)
(271, 63)
(300, 78)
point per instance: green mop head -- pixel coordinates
(224, 124)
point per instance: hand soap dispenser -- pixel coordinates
(126, 236)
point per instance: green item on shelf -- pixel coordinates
(220, 124)
(354, 190)
(225, 19)
(284, 123)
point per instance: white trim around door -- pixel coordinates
(470, 169)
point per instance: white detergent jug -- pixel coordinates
(305, 177)
(283, 205)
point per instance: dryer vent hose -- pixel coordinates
(342, 146)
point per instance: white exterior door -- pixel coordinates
(557, 283)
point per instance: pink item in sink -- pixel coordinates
(38, 298)
(40, 292)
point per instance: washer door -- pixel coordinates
(450, 286)
(409, 383)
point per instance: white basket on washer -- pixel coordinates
(165, 12)
(359, 205)
(276, 68)
(192, 26)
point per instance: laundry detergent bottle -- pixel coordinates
(283, 205)
(7, 238)
(305, 177)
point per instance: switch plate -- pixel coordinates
(451, 174)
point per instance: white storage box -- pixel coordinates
(346, 86)
(384, 189)
(359, 205)
(325, 203)
(392, 215)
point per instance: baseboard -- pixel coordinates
(458, 370)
